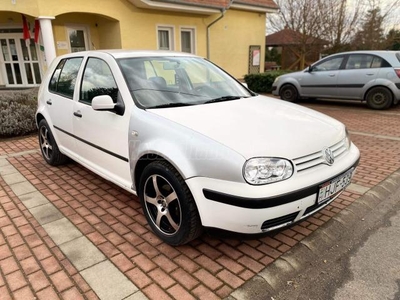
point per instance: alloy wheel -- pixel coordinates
(162, 204)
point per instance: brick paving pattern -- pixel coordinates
(111, 218)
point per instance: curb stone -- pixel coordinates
(278, 275)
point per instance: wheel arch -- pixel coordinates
(378, 86)
(144, 161)
(39, 117)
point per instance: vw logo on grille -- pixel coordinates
(328, 155)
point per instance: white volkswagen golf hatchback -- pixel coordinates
(197, 147)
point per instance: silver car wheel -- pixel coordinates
(379, 98)
(289, 93)
(162, 204)
(47, 148)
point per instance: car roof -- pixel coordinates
(393, 57)
(123, 53)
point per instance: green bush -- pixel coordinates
(17, 112)
(262, 82)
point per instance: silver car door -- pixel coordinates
(360, 70)
(321, 79)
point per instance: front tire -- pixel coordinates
(168, 204)
(379, 98)
(289, 93)
(48, 146)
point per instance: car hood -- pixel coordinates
(259, 126)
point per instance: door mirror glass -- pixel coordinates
(103, 102)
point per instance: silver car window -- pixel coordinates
(361, 61)
(329, 64)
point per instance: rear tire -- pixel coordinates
(48, 146)
(168, 204)
(289, 93)
(379, 98)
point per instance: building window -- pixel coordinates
(187, 40)
(165, 35)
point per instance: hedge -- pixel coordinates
(17, 112)
(262, 82)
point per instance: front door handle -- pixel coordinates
(49, 102)
(332, 75)
(370, 74)
(78, 114)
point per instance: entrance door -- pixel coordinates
(78, 38)
(19, 62)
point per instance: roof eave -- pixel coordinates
(256, 8)
(159, 5)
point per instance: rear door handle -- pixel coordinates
(49, 102)
(78, 114)
(332, 75)
(370, 74)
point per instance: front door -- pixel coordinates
(78, 38)
(322, 80)
(102, 136)
(19, 62)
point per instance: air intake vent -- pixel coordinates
(278, 222)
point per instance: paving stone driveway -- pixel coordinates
(94, 241)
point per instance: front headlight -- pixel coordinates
(347, 140)
(277, 79)
(262, 170)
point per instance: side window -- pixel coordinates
(359, 61)
(64, 77)
(97, 80)
(329, 65)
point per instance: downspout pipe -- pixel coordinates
(212, 23)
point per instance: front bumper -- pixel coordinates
(275, 90)
(242, 208)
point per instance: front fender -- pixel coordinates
(191, 153)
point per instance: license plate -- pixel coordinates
(330, 189)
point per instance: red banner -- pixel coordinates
(25, 28)
(37, 30)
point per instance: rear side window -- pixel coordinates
(97, 80)
(360, 61)
(64, 77)
(363, 61)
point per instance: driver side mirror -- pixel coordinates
(309, 69)
(103, 102)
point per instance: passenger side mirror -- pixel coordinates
(103, 102)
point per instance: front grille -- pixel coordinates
(277, 222)
(315, 159)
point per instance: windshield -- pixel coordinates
(157, 82)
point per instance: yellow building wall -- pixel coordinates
(231, 37)
(119, 24)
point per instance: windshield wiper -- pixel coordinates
(172, 104)
(224, 98)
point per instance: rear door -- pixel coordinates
(60, 103)
(360, 71)
(321, 81)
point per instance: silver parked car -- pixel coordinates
(196, 146)
(371, 76)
